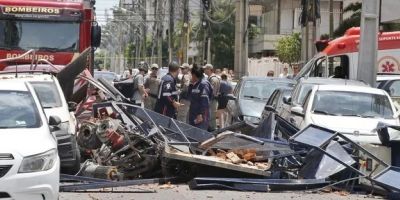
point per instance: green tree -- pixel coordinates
(288, 48)
(353, 21)
(222, 32)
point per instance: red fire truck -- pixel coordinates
(58, 30)
(339, 58)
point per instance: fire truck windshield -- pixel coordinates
(39, 35)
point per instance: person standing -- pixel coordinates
(139, 92)
(167, 99)
(152, 85)
(215, 83)
(200, 92)
(224, 90)
(285, 73)
(184, 94)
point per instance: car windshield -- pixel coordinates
(302, 93)
(106, 75)
(48, 94)
(357, 104)
(260, 89)
(45, 36)
(18, 110)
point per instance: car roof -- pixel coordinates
(274, 79)
(39, 67)
(13, 85)
(28, 76)
(387, 77)
(104, 72)
(331, 81)
(350, 88)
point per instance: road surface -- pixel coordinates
(182, 192)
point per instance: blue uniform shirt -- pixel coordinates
(167, 94)
(199, 96)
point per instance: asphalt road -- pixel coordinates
(182, 192)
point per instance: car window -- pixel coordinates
(306, 101)
(260, 89)
(302, 93)
(335, 67)
(48, 94)
(108, 76)
(18, 110)
(395, 89)
(358, 104)
(272, 98)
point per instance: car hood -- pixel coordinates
(252, 108)
(26, 142)
(351, 125)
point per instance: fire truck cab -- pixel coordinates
(339, 58)
(58, 30)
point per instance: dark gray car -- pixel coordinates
(251, 95)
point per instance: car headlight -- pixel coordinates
(40, 162)
(251, 119)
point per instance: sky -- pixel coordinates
(101, 5)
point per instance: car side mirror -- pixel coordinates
(287, 100)
(54, 121)
(230, 97)
(72, 106)
(269, 108)
(297, 110)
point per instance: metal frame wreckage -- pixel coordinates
(130, 145)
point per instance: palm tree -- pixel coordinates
(353, 21)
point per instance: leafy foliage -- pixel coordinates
(222, 33)
(353, 21)
(288, 48)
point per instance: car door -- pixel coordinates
(271, 103)
(296, 119)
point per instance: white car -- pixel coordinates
(29, 163)
(302, 88)
(54, 103)
(352, 110)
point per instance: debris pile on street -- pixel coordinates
(128, 142)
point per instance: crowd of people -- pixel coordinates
(197, 95)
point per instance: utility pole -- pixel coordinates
(160, 31)
(144, 31)
(171, 29)
(367, 59)
(331, 19)
(185, 31)
(155, 31)
(241, 38)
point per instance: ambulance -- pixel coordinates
(339, 58)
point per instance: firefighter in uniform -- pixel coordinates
(215, 82)
(152, 85)
(200, 92)
(167, 101)
(184, 94)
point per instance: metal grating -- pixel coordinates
(4, 169)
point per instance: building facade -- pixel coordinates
(281, 17)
